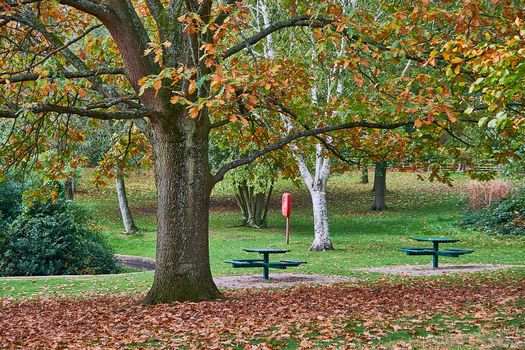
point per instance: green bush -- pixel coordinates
(505, 216)
(52, 239)
(10, 199)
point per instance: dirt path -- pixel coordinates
(427, 270)
(276, 280)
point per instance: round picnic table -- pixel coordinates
(435, 241)
(266, 257)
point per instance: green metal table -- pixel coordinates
(434, 251)
(266, 257)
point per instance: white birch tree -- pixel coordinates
(315, 178)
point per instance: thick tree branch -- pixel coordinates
(93, 8)
(307, 133)
(302, 21)
(155, 8)
(65, 74)
(326, 143)
(81, 112)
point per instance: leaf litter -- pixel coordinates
(334, 316)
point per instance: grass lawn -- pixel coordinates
(362, 238)
(458, 311)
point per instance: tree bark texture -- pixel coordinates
(317, 186)
(380, 186)
(69, 189)
(364, 174)
(125, 212)
(180, 148)
(184, 185)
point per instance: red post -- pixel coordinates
(287, 211)
(287, 230)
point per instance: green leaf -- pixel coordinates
(483, 121)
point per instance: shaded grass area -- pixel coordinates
(361, 237)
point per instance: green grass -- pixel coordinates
(362, 238)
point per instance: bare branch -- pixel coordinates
(220, 123)
(65, 74)
(89, 112)
(66, 45)
(307, 133)
(302, 21)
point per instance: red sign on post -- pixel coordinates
(287, 211)
(287, 204)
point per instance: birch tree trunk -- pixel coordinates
(316, 183)
(317, 187)
(125, 212)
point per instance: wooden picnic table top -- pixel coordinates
(266, 250)
(435, 239)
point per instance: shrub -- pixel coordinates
(505, 216)
(10, 199)
(481, 194)
(52, 239)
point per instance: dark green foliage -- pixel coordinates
(10, 199)
(506, 216)
(52, 239)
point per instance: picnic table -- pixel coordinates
(265, 261)
(434, 251)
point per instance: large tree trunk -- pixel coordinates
(125, 212)
(380, 186)
(184, 185)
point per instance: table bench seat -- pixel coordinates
(293, 262)
(418, 251)
(454, 252)
(426, 251)
(283, 264)
(246, 262)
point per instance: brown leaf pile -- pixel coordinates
(310, 317)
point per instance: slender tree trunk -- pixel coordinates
(317, 186)
(69, 188)
(364, 174)
(380, 186)
(253, 205)
(322, 239)
(125, 212)
(316, 183)
(184, 185)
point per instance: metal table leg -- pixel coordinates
(435, 263)
(266, 266)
